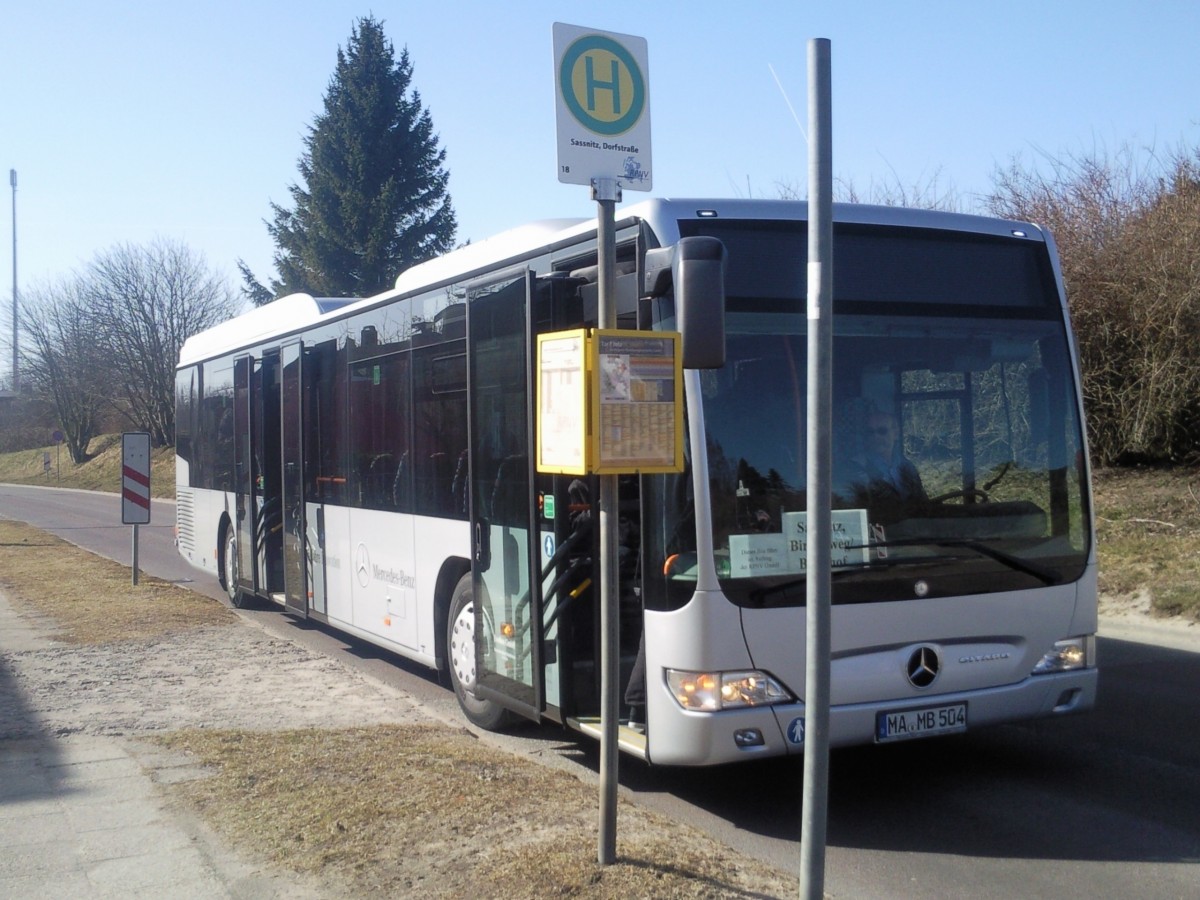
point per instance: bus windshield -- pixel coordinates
(956, 442)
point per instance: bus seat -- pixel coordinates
(401, 487)
(510, 493)
(435, 482)
(380, 474)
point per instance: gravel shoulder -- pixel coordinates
(1131, 618)
(215, 676)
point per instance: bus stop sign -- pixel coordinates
(603, 107)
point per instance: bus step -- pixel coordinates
(628, 739)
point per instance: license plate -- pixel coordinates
(915, 723)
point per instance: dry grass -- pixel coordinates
(431, 811)
(102, 472)
(1148, 532)
(92, 600)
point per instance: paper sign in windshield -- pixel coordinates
(786, 553)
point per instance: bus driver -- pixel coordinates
(881, 474)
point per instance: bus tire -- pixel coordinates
(238, 597)
(460, 654)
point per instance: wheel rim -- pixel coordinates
(462, 648)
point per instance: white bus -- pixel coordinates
(366, 463)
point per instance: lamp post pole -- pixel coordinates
(16, 376)
(815, 809)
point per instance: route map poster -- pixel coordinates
(638, 402)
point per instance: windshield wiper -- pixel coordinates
(759, 595)
(1042, 574)
(1015, 563)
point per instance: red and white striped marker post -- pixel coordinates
(135, 485)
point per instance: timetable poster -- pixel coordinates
(639, 394)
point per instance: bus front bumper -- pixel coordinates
(684, 738)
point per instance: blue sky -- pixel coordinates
(131, 121)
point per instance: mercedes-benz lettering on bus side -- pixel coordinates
(366, 463)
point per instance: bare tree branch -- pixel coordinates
(62, 360)
(1128, 230)
(147, 301)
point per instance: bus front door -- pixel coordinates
(295, 582)
(507, 592)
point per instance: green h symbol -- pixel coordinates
(593, 83)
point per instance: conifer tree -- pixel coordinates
(373, 197)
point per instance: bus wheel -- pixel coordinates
(460, 646)
(237, 596)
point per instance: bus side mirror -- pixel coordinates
(697, 272)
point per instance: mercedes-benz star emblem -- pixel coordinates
(922, 668)
(362, 565)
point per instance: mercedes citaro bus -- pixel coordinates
(367, 463)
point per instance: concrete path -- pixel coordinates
(82, 816)
(79, 817)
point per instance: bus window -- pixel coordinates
(379, 392)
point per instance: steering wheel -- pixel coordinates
(979, 495)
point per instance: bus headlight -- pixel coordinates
(712, 691)
(1074, 653)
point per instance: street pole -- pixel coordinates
(584, 60)
(606, 192)
(820, 457)
(16, 375)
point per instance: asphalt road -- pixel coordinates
(1105, 804)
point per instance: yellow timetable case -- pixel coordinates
(610, 402)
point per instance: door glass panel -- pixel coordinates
(267, 486)
(295, 588)
(506, 609)
(243, 472)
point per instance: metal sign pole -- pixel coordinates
(606, 193)
(820, 459)
(16, 355)
(602, 94)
